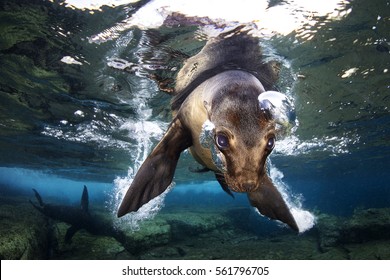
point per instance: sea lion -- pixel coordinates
(79, 218)
(227, 114)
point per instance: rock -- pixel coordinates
(185, 224)
(152, 233)
(164, 253)
(27, 234)
(170, 226)
(85, 246)
(328, 231)
(375, 250)
(24, 233)
(334, 253)
(367, 225)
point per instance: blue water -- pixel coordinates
(71, 116)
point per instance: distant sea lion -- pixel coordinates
(79, 218)
(226, 113)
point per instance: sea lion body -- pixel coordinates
(226, 114)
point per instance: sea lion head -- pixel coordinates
(243, 124)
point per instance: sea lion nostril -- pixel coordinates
(248, 187)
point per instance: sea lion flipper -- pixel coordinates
(270, 203)
(38, 197)
(36, 206)
(84, 199)
(69, 234)
(221, 180)
(199, 170)
(156, 173)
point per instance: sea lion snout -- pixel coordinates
(246, 182)
(248, 186)
(245, 168)
(244, 187)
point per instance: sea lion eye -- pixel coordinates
(222, 141)
(271, 143)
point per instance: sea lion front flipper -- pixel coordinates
(221, 180)
(270, 203)
(156, 173)
(199, 169)
(38, 197)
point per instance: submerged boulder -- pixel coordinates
(85, 246)
(185, 224)
(151, 233)
(374, 250)
(365, 225)
(171, 226)
(329, 231)
(24, 234)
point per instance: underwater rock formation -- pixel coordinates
(365, 225)
(169, 227)
(86, 246)
(152, 233)
(208, 234)
(23, 233)
(328, 228)
(191, 223)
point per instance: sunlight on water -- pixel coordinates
(96, 4)
(95, 131)
(279, 19)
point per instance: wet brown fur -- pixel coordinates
(221, 84)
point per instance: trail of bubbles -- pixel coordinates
(304, 219)
(144, 132)
(293, 146)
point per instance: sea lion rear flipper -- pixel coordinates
(156, 173)
(270, 203)
(69, 234)
(36, 206)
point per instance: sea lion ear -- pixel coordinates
(207, 106)
(270, 203)
(280, 107)
(156, 173)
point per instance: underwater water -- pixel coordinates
(79, 107)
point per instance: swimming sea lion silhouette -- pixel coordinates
(79, 217)
(226, 113)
